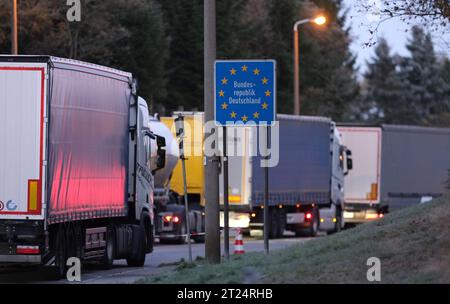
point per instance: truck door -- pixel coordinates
(144, 180)
(22, 140)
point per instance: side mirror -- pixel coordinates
(349, 160)
(161, 153)
(349, 164)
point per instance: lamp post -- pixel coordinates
(321, 20)
(14, 47)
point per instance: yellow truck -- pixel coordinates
(169, 199)
(239, 169)
(193, 146)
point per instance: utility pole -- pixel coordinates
(14, 47)
(212, 209)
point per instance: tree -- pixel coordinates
(184, 21)
(383, 100)
(262, 29)
(125, 34)
(328, 83)
(424, 86)
(436, 12)
(408, 90)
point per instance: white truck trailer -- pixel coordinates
(394, 167)
(75, 175)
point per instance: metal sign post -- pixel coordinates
(226, 197)
(179, 123)
(245, 95)
(266, 195)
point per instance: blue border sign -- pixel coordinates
(245, 92)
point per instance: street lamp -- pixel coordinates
(320, 20)
(14, 47)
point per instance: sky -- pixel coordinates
(395, 31)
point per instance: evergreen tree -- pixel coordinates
(328, 84)
(145, 50)
(125, 34)
(166, 52)
(425, 88)
(382, 101)
(408, 90)
(185, 67)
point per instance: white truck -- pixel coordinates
(76, 175)
(362, 201)
(394, 167)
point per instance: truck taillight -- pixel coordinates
(27, 250)
(371, 216)
(171, 219)
(308, 216)
(381, 215)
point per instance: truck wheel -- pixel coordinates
(183, 234)
(315, 224)
(281, 223)
(338, 224)
(274, 224)
(138, 259)
(199, 239)
(108, 256)
(349, 226)
(60, 254)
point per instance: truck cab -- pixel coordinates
(332, 218)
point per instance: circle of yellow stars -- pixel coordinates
(264, 81)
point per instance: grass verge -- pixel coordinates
(413, 245)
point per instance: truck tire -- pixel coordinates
(108, 256)
(199, 239)
(183, 234)
(315, 224)
(281, 222)
(138, 258)
(338, 224)
(61, 255)
(274, 223)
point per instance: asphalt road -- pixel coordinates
(157, 262)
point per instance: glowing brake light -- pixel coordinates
(371, 216)
(308, 216)
(171, 219)
(381, 215)
(27, 250)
